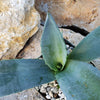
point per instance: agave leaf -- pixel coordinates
(18, 75)
(89, 48)
(53, 46)
(80, 81)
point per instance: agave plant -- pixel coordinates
(78, 79)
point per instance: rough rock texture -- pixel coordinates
(33, 49)
(97, 63)
(30, 94)
(82, 13)
(18, 22)
(71, 36)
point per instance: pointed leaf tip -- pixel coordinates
(52, 44)
(89, 48)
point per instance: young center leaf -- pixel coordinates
(80, 81)
(52, 44)
(18, 75)
(89, 48)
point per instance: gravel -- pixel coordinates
(51, 91)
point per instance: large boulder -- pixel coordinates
(19, 20)
(82, 13)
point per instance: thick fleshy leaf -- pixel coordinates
(89, 48)
(80, 81)
(18, 75)
(53, 46)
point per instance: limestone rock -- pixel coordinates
(71, 36)
(32, 49)
(82, 13)
(30, 94)
(18, 22)
(97, 63)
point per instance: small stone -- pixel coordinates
(48, 97)
(61, 94)
(37, 88)
(67, 46)
(53, 99)
(69, 51)
(48, 88)
(54, 90)
(52, 84)
(50, 93)
(47, 93)
(55, 95)
(25, 96)
(45, 85)
(43, 89)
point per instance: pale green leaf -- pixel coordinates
(18, 75)
(89, 48)
(52, 44)
(80, 81)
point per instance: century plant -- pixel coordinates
(78, 79)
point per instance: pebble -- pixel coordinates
(55, 90)
(48, 97)
(51, 91)
(53, 99)
(67, 46)
(43, 90)
(48, 88)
